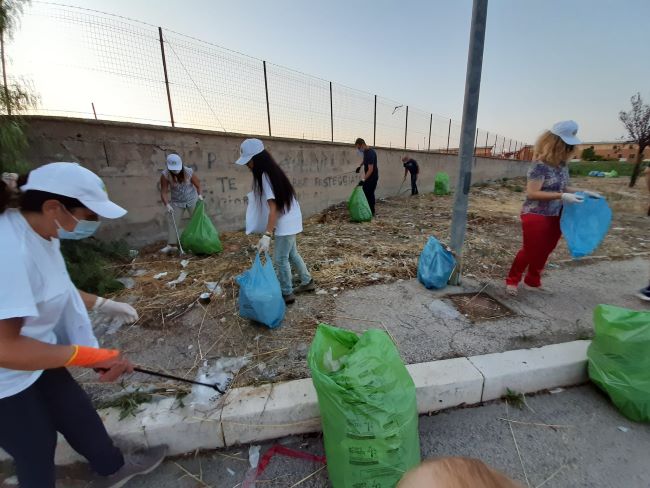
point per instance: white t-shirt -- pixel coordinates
(35, 285)
(288, 224)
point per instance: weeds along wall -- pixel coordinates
(130, 157)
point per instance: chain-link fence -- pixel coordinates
(92, 64)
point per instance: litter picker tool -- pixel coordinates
(180, 246)
(214, 386)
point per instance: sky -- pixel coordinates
(544, 60)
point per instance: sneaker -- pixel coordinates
(289, 299)
(311, 286)
(644, 294)
(168, 249)
(135, 464)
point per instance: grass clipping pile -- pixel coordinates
(177, 334)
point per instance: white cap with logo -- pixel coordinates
(567, 131)
(74, 181)
(248, 149)
(174, 162)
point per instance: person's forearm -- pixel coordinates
(273, 217)
(544, 195)
(26, 354)
(164, 199)
(370, 171)
(88, 298)
(572, 189)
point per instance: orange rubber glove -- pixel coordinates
(107, 362)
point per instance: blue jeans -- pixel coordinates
(285, 255)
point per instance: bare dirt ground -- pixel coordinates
(177, 334)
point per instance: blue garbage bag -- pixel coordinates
(435, 265)
(260, 296)
(585, 225)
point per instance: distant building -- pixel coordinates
(621, 151)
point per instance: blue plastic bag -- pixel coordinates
(260, 296)
(585, 225)
(435, 265)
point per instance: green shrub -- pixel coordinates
(582, 168)
(94, 265)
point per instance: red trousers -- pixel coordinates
(541, 234)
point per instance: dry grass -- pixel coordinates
(176, 333)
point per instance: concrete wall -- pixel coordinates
(129, 158)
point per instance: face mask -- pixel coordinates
(360, 152)
(175, 171)
(83, 229)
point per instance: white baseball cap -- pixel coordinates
(174, 162)
(566, 130)
(248, 149)
(74, 181)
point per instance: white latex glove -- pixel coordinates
(201, 197)
(169, 208)
(572, 198)
(117, 310)
(593, 194)
(264, 244)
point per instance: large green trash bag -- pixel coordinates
(367, 406)
(619, 359)
(200, 236)
(358, 206)
(441, 185)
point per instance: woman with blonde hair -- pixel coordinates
(547, 189)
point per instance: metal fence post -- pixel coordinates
(406, 125)
(430, 124)
(509, 145)
(374, 125)
(94, 111)
(448, 135)
(475, 142)
(470, 111)
(331, 112)
(266, 90)
(486, 141)
(503, 145)
(164, 62)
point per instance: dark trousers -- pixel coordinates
(369, 188)
(30, 420)
(414, 184)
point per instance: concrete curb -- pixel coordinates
(255, 414)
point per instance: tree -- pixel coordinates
(15, 97)
(637, 124)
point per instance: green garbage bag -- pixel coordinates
(200, 236)
(619, 359)
(358, 206)
(367, 406)
(441, 185)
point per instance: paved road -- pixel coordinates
(592, 451)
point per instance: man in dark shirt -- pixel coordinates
(411, 166)
(370, 175)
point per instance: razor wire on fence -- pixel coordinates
(87, 63)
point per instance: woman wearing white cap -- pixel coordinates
(185, 191)
(44, 329)
(546, 191)
(274, 211)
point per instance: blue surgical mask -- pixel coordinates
(83, 229)
(360, 152)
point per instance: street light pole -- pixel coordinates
(468, 131)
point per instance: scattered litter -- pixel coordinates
(223, 319)
(618, 228)
(160, 275)
(136, 273)
(221, 372)
(204, 298)
(190, 346)
(180, 279)
(622, 429)
(133, 253)
(230, 472)
(214, 287)
(128, 283)
(334, 288)
(375, 276)
(556, 390)
(321, 292)
(184, 263)
(552, 265)
(254, 456)
(443, 310)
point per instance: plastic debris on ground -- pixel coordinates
(253, 461)
(136, 273)
(230, 472)
(184, 263)
(160, 275)
(214, 287)
(622, 429)
(128, 283)
(180, 279)
(220, 372)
